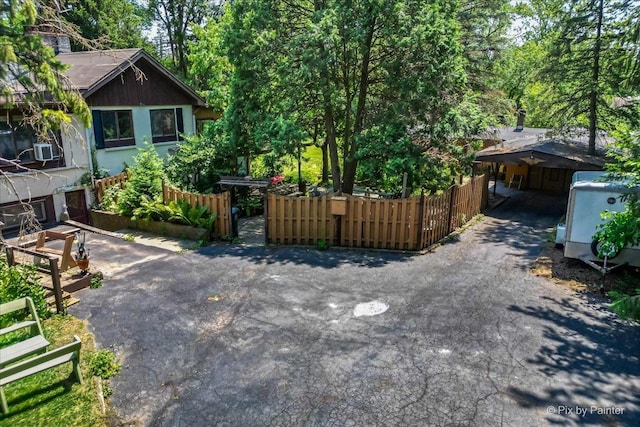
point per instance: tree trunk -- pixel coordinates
(329, 122)
(333, 148)
(325, 161)
(350, 161)
(595, 76)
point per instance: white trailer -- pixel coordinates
(589, 195)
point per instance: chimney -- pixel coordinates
(60, 43)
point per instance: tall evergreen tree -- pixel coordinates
(116, 23)
(370, 70)
(584, 64)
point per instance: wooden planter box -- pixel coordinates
(113, 222)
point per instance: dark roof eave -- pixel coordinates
(545, 160)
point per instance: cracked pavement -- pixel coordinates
(240, 335)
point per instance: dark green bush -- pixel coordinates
(21, 281)
(145, 181)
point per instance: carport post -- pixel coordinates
(495, 178)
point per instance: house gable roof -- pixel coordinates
(90, 71)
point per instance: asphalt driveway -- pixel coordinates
(250, 336)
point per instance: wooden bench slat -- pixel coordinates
(42, 366)
(50, 251)
(15, 305)
(22, 349)
(18, 326)
(47, 360)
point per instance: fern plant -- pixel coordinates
(627, 306)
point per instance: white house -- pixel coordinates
(133, 99)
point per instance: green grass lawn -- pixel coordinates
(54, 397)
(311, 166)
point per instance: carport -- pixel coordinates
(540, 165)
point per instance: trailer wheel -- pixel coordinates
(607, 249)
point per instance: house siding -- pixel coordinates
(130, 89)
(56, 181)
(114, 159)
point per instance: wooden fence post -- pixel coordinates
(420, 222)
(454, 194)
(11, 259)
(57, 288)
(265, 216)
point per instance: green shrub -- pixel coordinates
(627, 306)
(145, 180)
(103, 364)
(110, 199)
(21, 281)
(196, 165)
(177, 212)
(96, 280)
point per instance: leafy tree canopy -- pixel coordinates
(30, 75)
(365, 71)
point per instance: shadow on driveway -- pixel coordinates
(306, 255)
(595, 352)
(523, 223)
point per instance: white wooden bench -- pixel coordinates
(15, 362)
(39, 363)
(35, 343)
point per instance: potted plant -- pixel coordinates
(82, 253)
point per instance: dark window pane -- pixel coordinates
(124, 124)
(13, 215)
(24, 137)
(7, 150)
(109, 125)
(163, 123)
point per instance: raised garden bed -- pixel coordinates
(113, 222)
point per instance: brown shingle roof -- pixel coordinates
(89, 71)
(89, 68)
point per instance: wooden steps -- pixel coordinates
(69, 284)
(67, 299)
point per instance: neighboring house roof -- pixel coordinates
(550, 153)
(90, 71)
(511, 135)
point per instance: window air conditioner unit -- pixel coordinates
(43, 152)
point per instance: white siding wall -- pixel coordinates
(56, 182)
(113, 159)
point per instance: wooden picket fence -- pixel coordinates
(401, 224)
(218, 203)
(100, 185)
